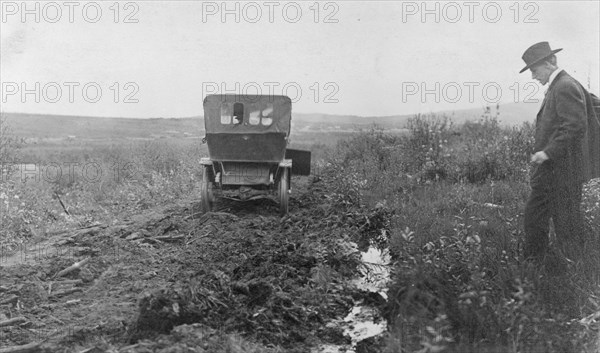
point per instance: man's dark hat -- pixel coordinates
(536, 53)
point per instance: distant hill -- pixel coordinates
(63, 126)
(56, 126)
(398, 121)
(510, 114)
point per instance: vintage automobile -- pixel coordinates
(247, 138)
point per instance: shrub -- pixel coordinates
(367, 166)
(427, 143)
(487, 151)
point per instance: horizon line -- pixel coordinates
(202, 116)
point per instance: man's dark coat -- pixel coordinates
(561, 127)
(556, 184)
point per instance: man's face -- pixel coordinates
(541, 72)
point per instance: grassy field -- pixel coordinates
(460, 283)
(454, 196)
(54, 182)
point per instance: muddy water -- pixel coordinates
(361, 322)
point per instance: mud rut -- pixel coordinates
(175, 280)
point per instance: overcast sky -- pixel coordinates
(365, 58)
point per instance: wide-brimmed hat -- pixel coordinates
(536, 53)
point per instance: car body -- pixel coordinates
(247, 138)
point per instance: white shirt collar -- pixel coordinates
(552, 78)
(553, 75)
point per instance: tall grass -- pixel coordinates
(79, 185)
(459, 282)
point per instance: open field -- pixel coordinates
(155, 274)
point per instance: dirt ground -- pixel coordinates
(171, 279)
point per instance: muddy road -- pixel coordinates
(172, 279)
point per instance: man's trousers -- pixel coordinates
(557, 199)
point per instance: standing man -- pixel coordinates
(558, 158)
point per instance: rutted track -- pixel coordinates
(176, 280)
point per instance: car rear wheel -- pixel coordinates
(206, 196)
(284, 193)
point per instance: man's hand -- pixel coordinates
(539, 157)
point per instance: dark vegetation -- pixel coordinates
(446, 199)
(460, 283)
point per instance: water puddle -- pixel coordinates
(364, 321)
(376, 272)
